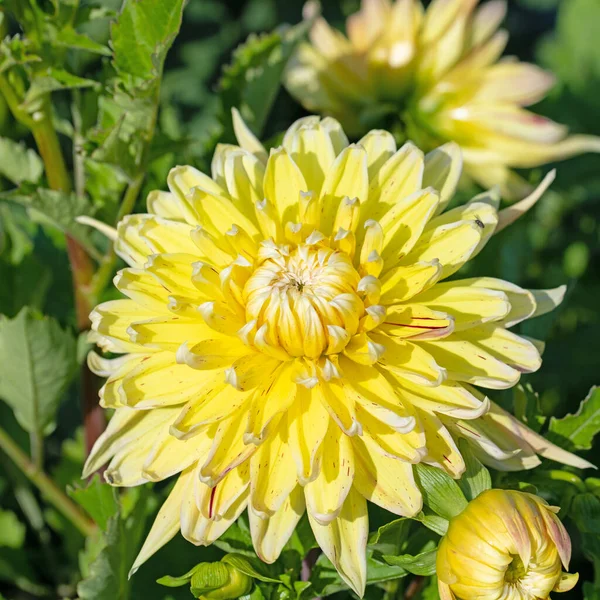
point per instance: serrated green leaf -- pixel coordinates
(55, 208)
(476, 478)
(108, 577)
(98, 499)
(389, 537)
(37, 363)
(19, 163)
(143, 34)
(577, 431)
(527, 407)
(421, 564)
(253, 79)
(177, 581)
(440, 492)
(50, 80)
(70, 38)
(250, 566)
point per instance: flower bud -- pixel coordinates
(505, 544)
(226, 581)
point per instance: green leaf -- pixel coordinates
(12, 531)
(37, 363)
(476, 478)
(174, 581)
(585, 511)
(50, 80)
(98, 499)
(527, 407)
(70, 38)
(590, 592)
(143, 34)
(108, 577)
(250, 566)
(237, 539)
(421, 564)
(253, 79)
(55, 208)
(577, 431)
(440, 492)
(19, 163)
(389, 537)
(432, 521)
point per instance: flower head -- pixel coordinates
(289, 341)
(505, 544)
(438, 71)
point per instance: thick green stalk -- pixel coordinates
(53, 494)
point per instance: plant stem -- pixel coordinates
(47, 487)
(81, 265)
(36, 442)
(414, 587)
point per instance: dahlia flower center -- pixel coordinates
(515, 570)
(304, 299)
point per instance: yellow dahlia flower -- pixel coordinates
(289, 341)
(437, 70)
(505, 544)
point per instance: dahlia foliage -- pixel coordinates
(291, 339)
(439, 72)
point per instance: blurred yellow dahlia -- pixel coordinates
(505, 544)
(288, 340)
(435, 73)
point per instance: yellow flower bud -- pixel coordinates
(505, 544)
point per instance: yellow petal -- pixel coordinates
(339, 405)
(385, 481)
(228, 450)
(468, 305)
(112, 319)
(270, 534)
(402, 283)
(168, 332)
(195, 527)
(164, 236)
(123, 431)
(244, 174)
(417, 322)
(344, 541)
(442, 451)
(215, 503)
(399, 177)
(380, 146)
(404, 223)
(246, 139)
(169, 456)
(274, 397)
(451, 244)
(308, 421)
(409, 361)
(443, 167)
(467, 361)
(346, 177)
(215, 402)
(506, 346)
(283, 184)
(522, 302)
(327, 492)
(166, 524)
(159, 381)
(272, 472)
(312, 149)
